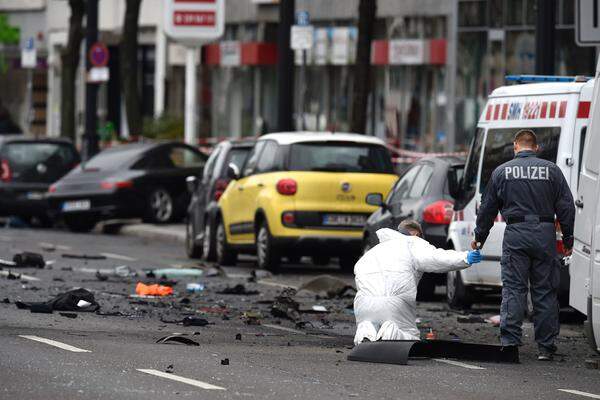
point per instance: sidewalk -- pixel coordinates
(172, 233)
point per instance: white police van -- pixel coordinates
(585, 263)
(557, 109)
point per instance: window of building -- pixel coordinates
(472, 13)
(531, 12)
(496, 13)
(514, 12)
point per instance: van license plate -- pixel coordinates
(344, 220)
(77, 205)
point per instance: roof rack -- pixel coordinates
(546, 78)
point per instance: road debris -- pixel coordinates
(177, 339)
(215, 271)
(285, 306)
(328, 287)
(169, 369)
(258, 274)
(84, 256)
(73, 300)
(170, 273)
(153, 290)
(68, 315)
(495, 320)
(252, 318)
(469, 319)
(28, 259)
(238, 336)
(194, 287)
(9, 264)
(238, 289)
(194, 321)
(225, 361)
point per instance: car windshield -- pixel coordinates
(499, 149)
(238, 156)
(38, 161)
(110, 160)
(340, 157)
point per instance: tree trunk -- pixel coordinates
(128, 54)
(69, 57)
(367, 10)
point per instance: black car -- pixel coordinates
(423, 193)
(27, 168)
(206, 191)
(142, 180)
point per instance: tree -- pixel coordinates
(128, 56)
(367, 10)
(69, 57)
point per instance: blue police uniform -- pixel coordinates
(528, 192)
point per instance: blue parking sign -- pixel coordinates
(302, 18)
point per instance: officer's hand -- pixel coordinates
(568, 252)
(475, 245)
(473, 257)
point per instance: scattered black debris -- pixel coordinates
(328, 287)
(169, 369)
(28, 259)
(66, 269)
(150, 274)
(225, 361)
(239, 290)
(238, 336)
(6, 300)
(101, 277)
(12, 276)
(258, 274)
(84, 256)
(185, 300)
(215, 271)
(111, 314)
(469, 319)
(194, 321)
(178, 339)
(286, 307)
(592, 363)
(68, 315)
(73, 300)
(252, 318)
(56, 279)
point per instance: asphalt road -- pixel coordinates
(48, 356)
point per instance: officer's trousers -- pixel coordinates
(529, 259)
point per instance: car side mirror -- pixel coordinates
(233, 172)
(191, 183)
(375, 199)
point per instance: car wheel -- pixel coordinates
(192, 249)
(208, 242)
(426, 288)
(348, 261)
(267, 255)
(81, 224)
(456, 292)
(225, 254)
(366, 246)
(321, 260)
(160, 208)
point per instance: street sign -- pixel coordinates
(98, 55)
(587, 22)
(194, 22)
(29, 54)
(301, 37)
(98, 75)
(302, 18)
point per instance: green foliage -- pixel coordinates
(8, 34)
(166, 127)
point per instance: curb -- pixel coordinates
(155, 232)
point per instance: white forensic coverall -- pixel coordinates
(387, 277)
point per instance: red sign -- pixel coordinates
(194, 18)
(98, 55)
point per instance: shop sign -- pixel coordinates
(301, 37)
(194, 21)
(343, 46)
(231, 53)
(321, 47)
(407, 52)
(29, 54)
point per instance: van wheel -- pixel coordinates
(192, 249)
(348, 261)
(225, 254)
(456, 292)
(267, 255)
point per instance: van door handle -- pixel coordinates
(578, 203)
(586, 250)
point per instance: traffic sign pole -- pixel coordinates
(89, 145)
(190, 128)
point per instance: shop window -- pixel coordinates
(496, 13)
(568, 12)
(471, 13)
(520, 52)
(514, 12)
(531, 12)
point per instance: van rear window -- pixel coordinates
(499, 149)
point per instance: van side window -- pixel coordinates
(581, 149)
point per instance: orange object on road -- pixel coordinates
(153, 290)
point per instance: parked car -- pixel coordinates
(302, 194)
(27, 168)
(423, 193)
(144, 180)
(206, 191)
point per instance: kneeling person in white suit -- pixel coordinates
(387, 277)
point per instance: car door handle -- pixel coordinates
(240, 188)
(579, 203)
(261, 185)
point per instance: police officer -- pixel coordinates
(528, 192)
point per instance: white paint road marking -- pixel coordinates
(457, 363)
(55, 344)
(579, 393)
(21, 276)
(193, 382)
(283, 328)
(118, 257)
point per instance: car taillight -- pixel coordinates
(52, 189)
(287, 187)
(560, 246)
(288, 218)
(5, 173)
(116, 185)
(220, 186)
(439, 212)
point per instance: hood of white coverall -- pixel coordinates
(386, 279)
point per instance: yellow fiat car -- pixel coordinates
(302, 194)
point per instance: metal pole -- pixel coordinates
(544, 37)
(302, 105)
(285, 67)
(90, 137)
(451, 71)
(190, 96)
(160, 62)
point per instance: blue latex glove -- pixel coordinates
(473, 257)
